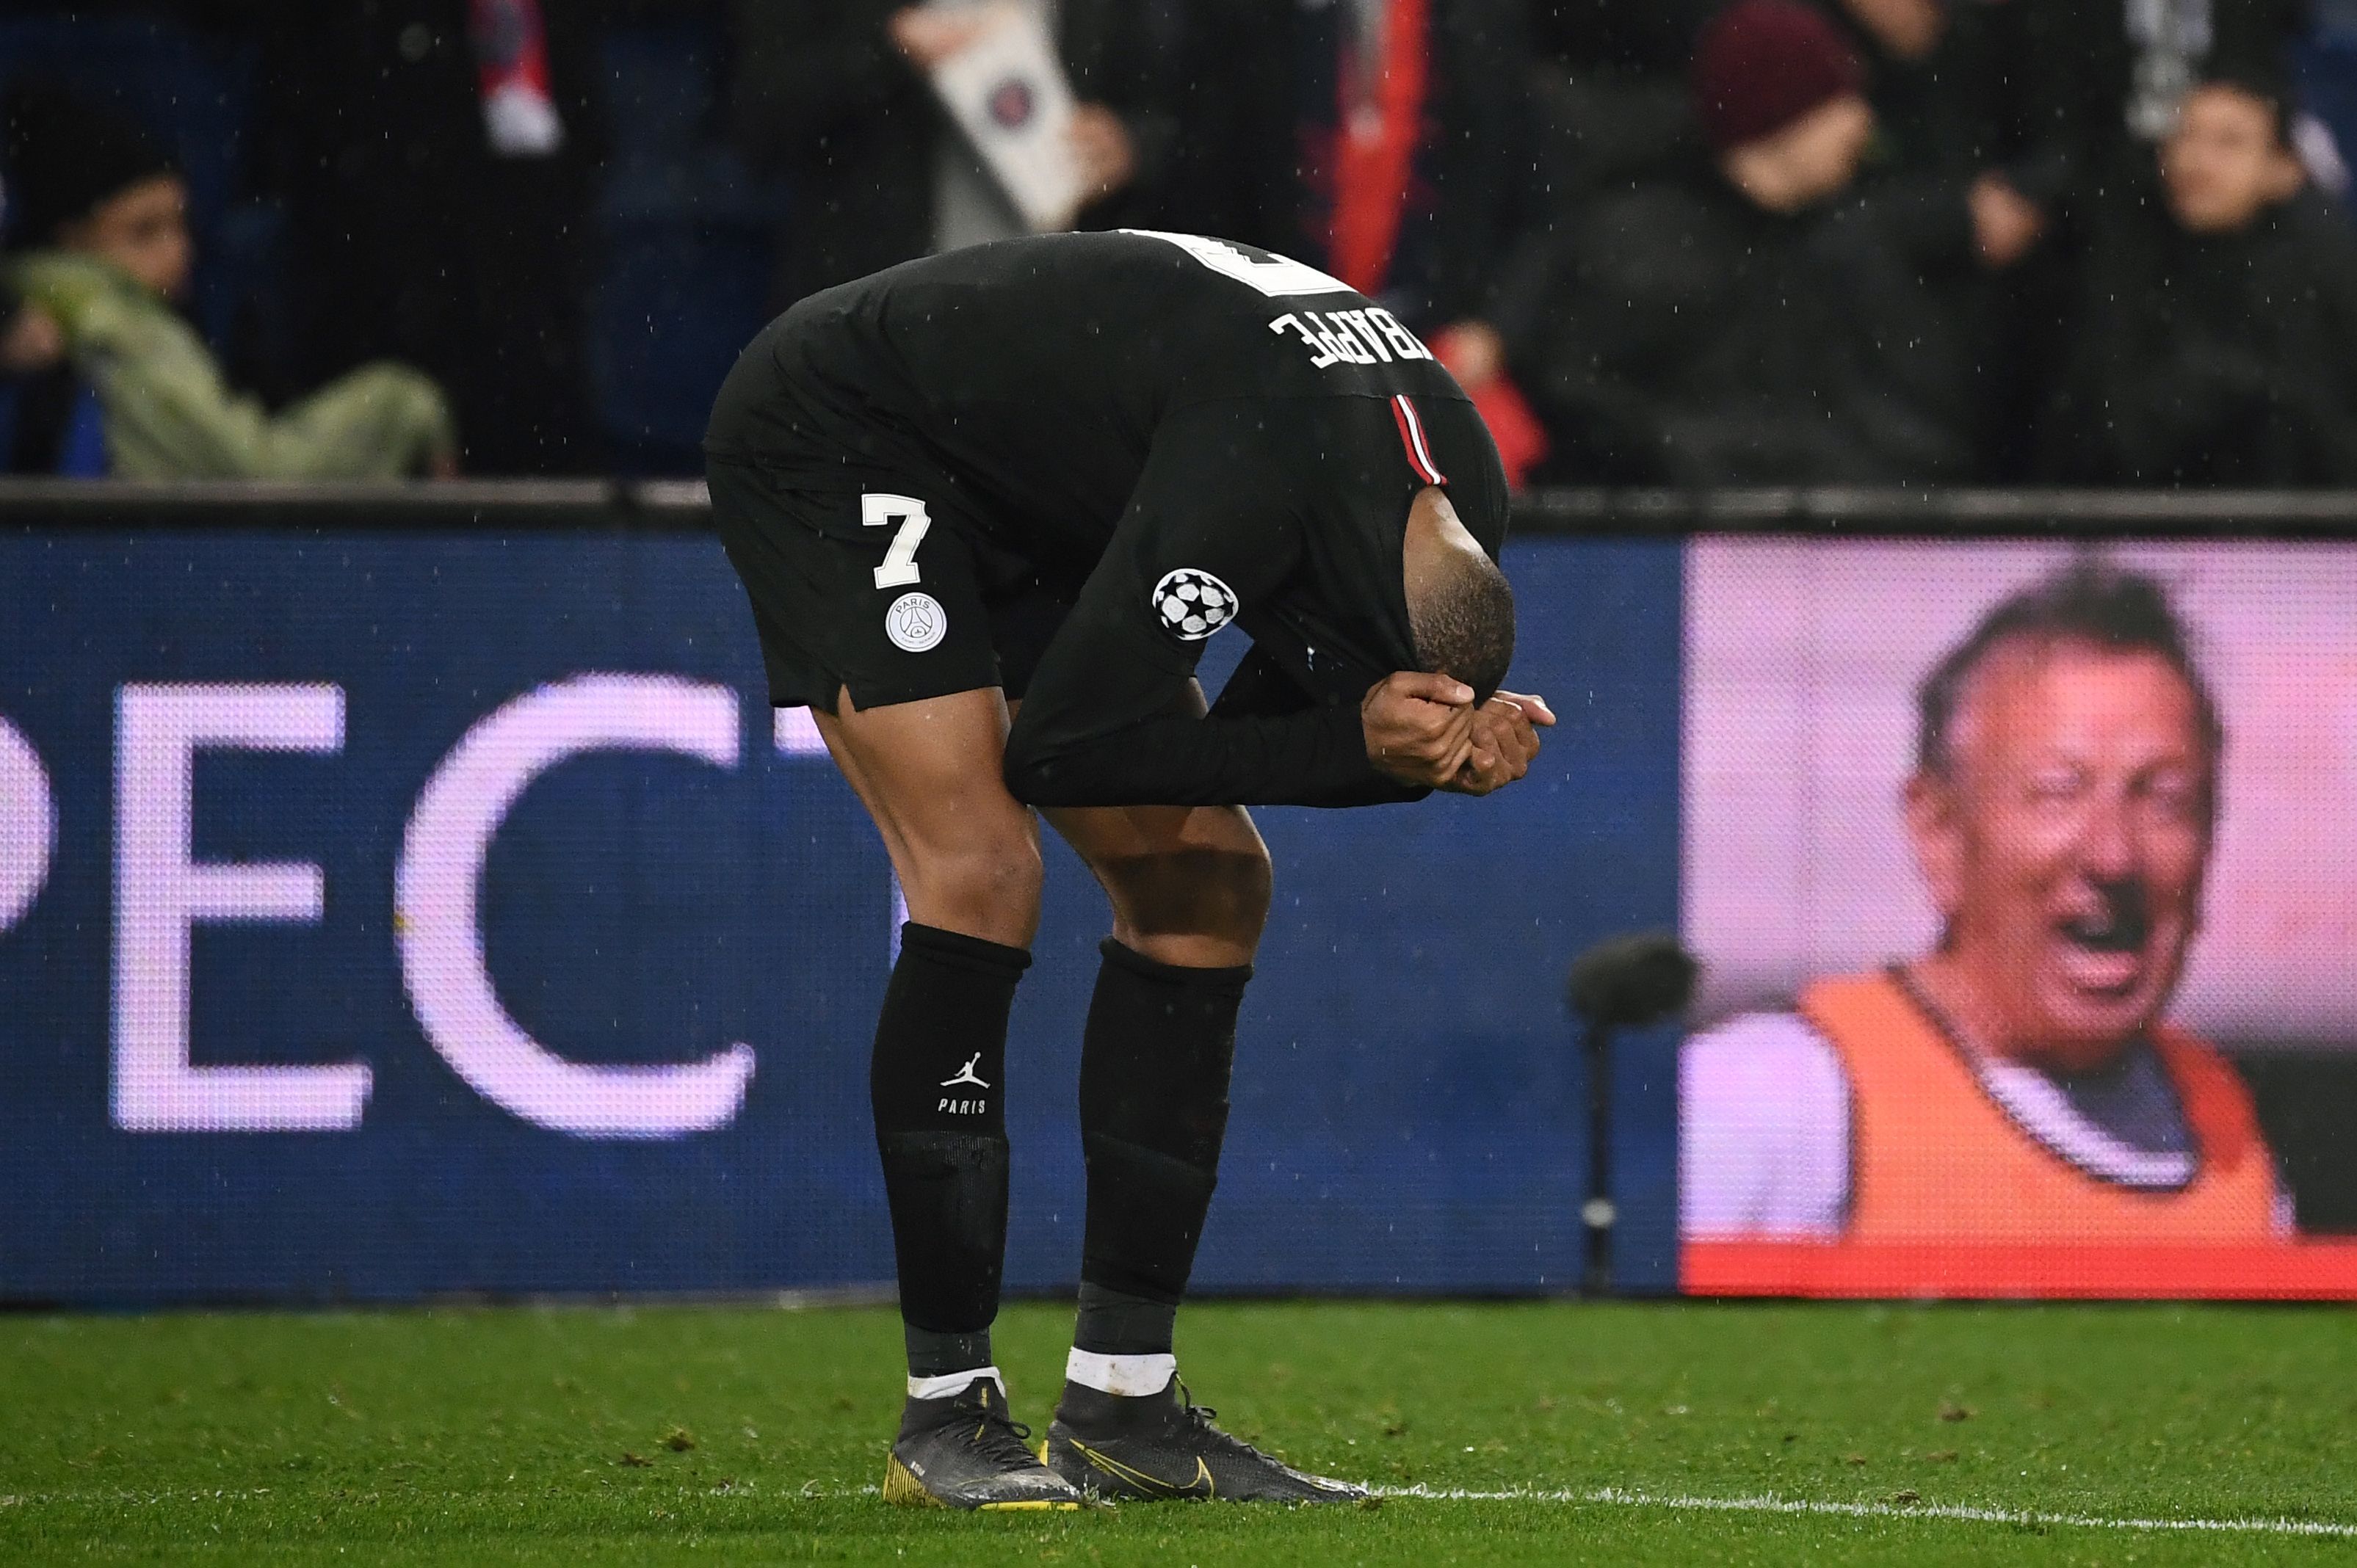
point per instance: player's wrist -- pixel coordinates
(1376, 740)
(1416, 727)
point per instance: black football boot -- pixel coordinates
(962, 1451)
(1164, 1446)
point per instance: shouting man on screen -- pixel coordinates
(2016, 1083)
(988, 507)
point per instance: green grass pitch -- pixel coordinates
(737, 1435)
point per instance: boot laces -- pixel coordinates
(1201, 1416)
(1001, 1439)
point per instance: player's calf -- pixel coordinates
(937, 1086)
(1155, 1066)
(1155, 1063)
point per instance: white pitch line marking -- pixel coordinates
(1617, 1496)
(1772, 1504)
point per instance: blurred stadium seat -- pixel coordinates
(77, 450)
(83, 453)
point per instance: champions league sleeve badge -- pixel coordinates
(1192, 604)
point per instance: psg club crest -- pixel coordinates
(1192, 604)
(916, 623)
(1012, 103)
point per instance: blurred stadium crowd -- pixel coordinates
(1682, 241)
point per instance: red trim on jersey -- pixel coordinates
(1411, 429)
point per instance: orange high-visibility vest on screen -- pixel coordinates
(1933, 1157)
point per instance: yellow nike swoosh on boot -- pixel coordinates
(1138, 1478)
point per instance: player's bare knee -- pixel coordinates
(988, 888)
(1000, 870)
(1221, 893)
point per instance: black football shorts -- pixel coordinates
(891, 591)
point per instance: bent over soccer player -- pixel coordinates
(1024, 482)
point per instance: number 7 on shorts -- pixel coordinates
(899, 568)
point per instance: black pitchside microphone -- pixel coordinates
(1624, 983)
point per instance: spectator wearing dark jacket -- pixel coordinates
(1409, 141)
(1382, 140)
(1387, 142)
(2217, 338)
(437, 159)
(1609, 104)
(1908, 55)
(1612, 92)
(1766, 317)
(2069, 97)
(833, 96)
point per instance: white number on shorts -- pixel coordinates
(899, 568)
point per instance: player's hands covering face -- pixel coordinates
(1418, 726)
(1503, 739)
(1423, 729)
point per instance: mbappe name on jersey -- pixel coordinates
(1369, 337)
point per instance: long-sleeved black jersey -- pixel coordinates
(1188, 431)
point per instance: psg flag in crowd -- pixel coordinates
(1008, 94)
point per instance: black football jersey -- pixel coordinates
(1189, 432)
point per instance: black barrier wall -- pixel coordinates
(682, 505)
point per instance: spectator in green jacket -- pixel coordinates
(104, 212)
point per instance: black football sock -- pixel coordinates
(1116, 1322)
(937, 1084)
(936, 1355)
(1155, 1065)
